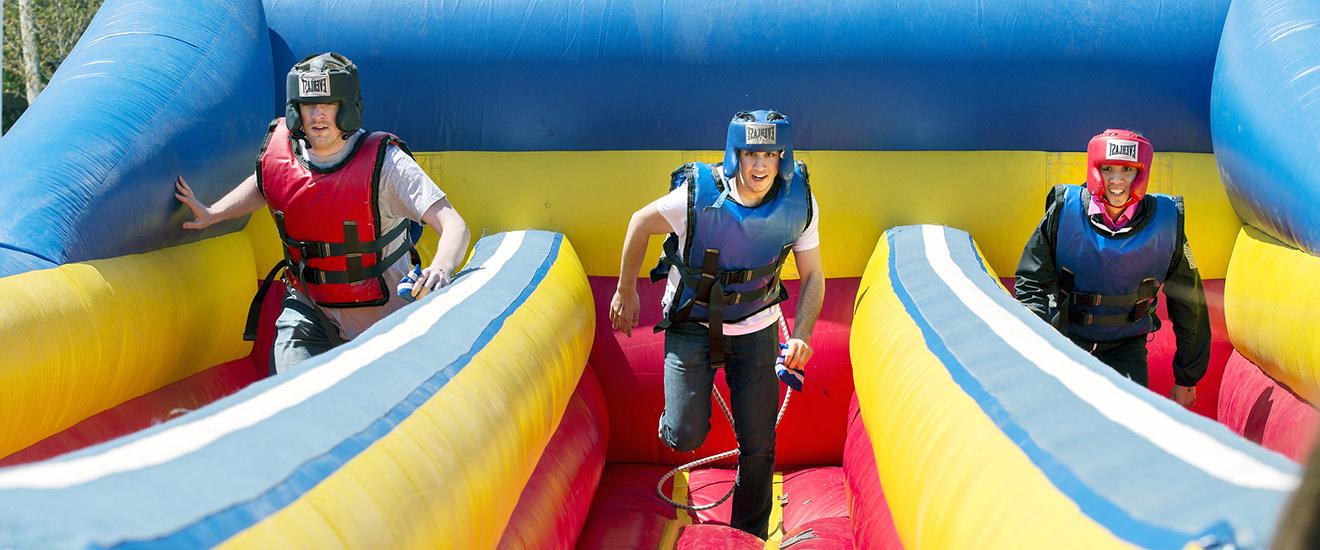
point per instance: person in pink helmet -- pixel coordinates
(1095, 265)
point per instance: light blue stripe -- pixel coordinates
(1142, 494)
(224, 524)
(281, 451)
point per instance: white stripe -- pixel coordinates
(183, 439)
(1122, 407)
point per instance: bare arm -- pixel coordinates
(625, 306)
(241, 201)
(449, 253)
(811, 295)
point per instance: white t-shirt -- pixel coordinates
(406, 192)
(674, 209)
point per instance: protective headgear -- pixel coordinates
(1124, 148)
(759, 131)
(324, 78)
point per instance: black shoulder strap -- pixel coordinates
(691, 208)
(669, 255)
(261, 153)
(1054, 201)
(1180, 236)
(806, 186)
(254, 309)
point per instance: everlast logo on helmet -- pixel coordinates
(1121, 149)
(314, 85)
(760, 134)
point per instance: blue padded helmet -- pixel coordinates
(764, 130)
(324, 78)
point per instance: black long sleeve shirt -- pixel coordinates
(1037, 283)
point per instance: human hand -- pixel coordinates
(432, 278)
(624, 310)
(202, 215)
(797, 354)
(1183, 395)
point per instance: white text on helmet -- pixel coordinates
(1121, 149)
(760, 134)
(314, 85)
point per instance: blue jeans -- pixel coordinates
(754, 395)
(301, 332)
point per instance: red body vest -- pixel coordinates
(328, 219)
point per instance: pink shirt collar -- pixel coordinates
(1097, 207)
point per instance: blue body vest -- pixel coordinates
(748, 245)
(1113, 279)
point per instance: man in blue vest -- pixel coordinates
(348, 205)
(731, 226)
(1095, 265)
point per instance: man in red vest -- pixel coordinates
(348, 205)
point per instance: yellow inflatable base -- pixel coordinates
(83, 337)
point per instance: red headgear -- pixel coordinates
(1124, 148)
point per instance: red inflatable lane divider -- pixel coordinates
(872, 524)
(1265, 411)
(555, 502)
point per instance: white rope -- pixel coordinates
(659, 487)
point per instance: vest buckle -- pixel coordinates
(314, 249)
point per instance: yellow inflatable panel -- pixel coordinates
(1272, 307)
(83, 337)
(451, 473)
(266, 250)
(997, 196)
(938, 456)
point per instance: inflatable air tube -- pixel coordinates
(1265, 118)
(1272, 307)
(83, 337)
(1265, 411)
(152, 90)
(991, 429)
(555, 502)
(422, 432)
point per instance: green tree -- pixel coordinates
(57, 24)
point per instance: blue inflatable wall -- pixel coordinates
(1266, 117)
(854, 74)
(153, 89)
(170, 87)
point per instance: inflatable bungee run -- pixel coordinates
(502, 411)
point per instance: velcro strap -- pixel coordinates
(715, 327)
(710, 286)
(1083, 318)
(745, 275)
(1111, 300)
(354, 273)
(319, 249)
(1066, 279)
(734, 298)
(1146, 292)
